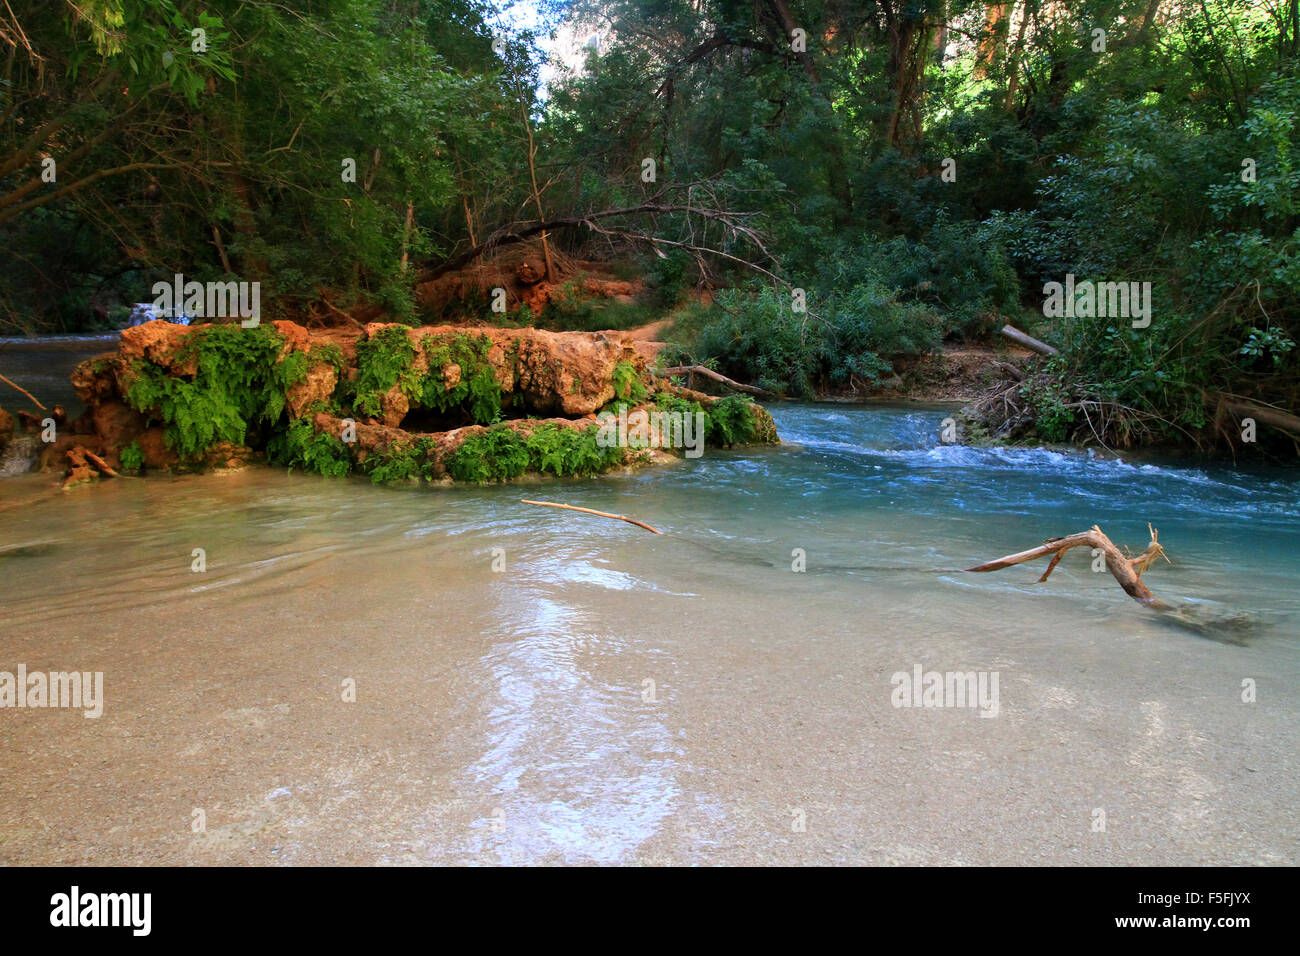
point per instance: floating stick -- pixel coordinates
(24, 391)
(591, 511)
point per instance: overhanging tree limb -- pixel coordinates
(505, 237)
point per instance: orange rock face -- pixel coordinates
(540, 374)
(341, 387)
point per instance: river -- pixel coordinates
(536, 686)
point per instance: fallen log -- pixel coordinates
(716, 376)
(1274, 417)
(590, 511)
(1028, 341)
(1009, 370)
(1127, 571)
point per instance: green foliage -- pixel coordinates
(627, 383)
(823, 167)
(730, 421)
(238, 385)
(760, 339)
(570, 309)
(384, 360)
(670, 276)
(284, 93)
(329, 353)
(299, 445)
(494, 455)
(558, 450)
(501, 453)
(293, 368)
(131, 458)
(399, 462)
(477, 391)
(1053, 416)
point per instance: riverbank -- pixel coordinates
(396, 403)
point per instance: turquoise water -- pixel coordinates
(505, 715)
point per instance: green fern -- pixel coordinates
(239, 384)
(384, 360)
(131, 458)
(477, 393)
(627, 383)
(301, 446)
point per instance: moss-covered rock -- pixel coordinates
(389, 401)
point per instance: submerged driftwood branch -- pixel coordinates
(1127, 571)
(590, 511)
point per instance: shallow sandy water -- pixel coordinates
(504, 716)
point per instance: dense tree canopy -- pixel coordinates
(918, 169)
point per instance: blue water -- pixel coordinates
(505, 715)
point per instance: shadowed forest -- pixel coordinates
(813, 195)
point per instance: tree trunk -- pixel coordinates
(993, 40)
(1028, 341)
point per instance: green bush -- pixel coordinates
(730, 422)
(760, 339)
(399, 462)
(494, 455)
(477, 393)
(501, 453)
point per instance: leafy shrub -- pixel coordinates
(569, 451)
(760, 339)
(670, 276)
(494, 455)
(570, 309)
(730, 421)
(399, 462)
(501, 453)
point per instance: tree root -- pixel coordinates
(85, 465)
